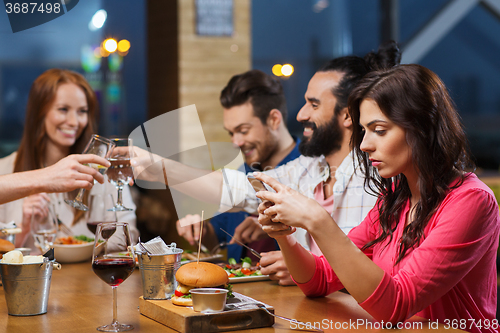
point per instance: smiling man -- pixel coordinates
(255, 118)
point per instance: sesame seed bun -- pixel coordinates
(5, 246)
(201, 275)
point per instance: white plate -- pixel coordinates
(213, 257)
(73, 252)
(248, 278)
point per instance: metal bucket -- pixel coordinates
(27, 287)
(158, 273)
(4, 234)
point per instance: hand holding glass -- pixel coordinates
(99, 146)
(113, 262)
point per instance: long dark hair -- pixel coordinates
(31, 152)
(355, 68)
(414, 98)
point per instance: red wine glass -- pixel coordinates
(113, 262)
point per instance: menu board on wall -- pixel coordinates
(214, 17)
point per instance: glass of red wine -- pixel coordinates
(113, 262)
(120, 172)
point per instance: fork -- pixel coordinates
(219, 246)
(263, 307)
(294, 321)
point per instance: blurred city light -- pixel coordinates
(123, 46)
(287, 70)
(110, 45)
(277, 70)
(90, 60)
(103, 52)
(98, 20)
(97, 52)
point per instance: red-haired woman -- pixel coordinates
(61, 116)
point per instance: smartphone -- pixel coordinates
(256, 184)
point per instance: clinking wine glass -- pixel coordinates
(120, 172)
(99, 146)
(113, 262)
(44, 230)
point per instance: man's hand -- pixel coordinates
(191, 229)
(70, 173)
(248, 231)
(147, 166)
(273, 264)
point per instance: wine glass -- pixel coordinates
(113, 262)
(120, 172)
(99, 146)
(44, 230)
(98, 212)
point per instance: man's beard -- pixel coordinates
(325, 139)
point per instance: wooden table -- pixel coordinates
(79, 302)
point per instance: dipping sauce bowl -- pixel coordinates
(209, 299)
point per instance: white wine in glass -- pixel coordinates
(99, 146)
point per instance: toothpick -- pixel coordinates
(201, 236)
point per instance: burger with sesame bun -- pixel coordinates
(198, 275)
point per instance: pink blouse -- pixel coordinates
(327, 204)
(450, 275)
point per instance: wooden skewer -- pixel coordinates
(201, 235)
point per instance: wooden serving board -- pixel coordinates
(186, 320)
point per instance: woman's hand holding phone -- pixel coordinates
(274, 229)
(256, 184)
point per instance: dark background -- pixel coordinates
(304, 33)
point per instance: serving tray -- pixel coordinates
(185, 320)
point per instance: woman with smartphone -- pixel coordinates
(428, 247)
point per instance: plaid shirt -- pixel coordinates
(351, 203)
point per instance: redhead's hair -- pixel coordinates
(42, 94)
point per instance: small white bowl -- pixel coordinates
(209, 299)
(73, 253)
